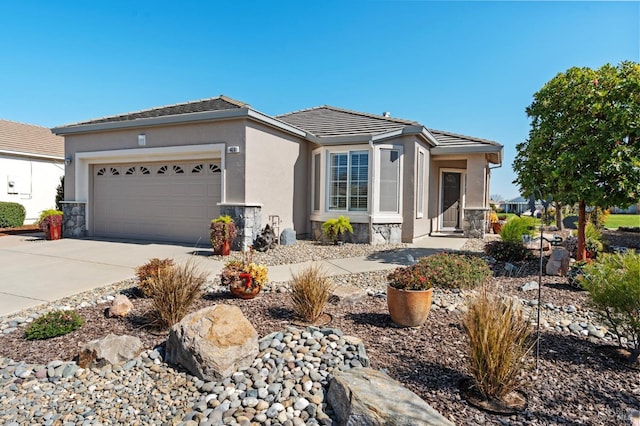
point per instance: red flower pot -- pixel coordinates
(53, 231)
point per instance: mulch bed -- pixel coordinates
(26, 229)
(579, 381)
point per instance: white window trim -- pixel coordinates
(386, 217)
(463, 186)
(327, 179)
(420, 182)
(84, 161)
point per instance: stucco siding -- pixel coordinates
(477, 185)
(277, 176)
(35, 183)
(422, 225)
(230, 133)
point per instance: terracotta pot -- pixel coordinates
(243, 287)
(497, 227)
(53, 231)
(409, 308)
(223, 250)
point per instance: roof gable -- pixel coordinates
(327, 121)
(29, 139)
(218, 103)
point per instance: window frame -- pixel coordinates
(350, 153)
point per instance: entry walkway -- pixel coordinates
(34, 271)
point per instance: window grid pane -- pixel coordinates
(349, 181)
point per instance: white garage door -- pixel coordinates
(170, 201)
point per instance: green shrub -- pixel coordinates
(53, 324)
(336, 227)
(498, 343)
(613, 283)
(60, 193)
(592, 232)
(310, 292)
(454, 270)
(149, 270)
(409, 278)
(598, 217)
(514, 229)
(507, 251)
(172, 291)
(11, 215)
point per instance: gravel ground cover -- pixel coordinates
(578, 381)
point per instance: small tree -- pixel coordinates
(613, 284)
(583, 146)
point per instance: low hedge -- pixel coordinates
(11, 214)
(454, 270)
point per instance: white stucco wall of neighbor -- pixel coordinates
(30, 182)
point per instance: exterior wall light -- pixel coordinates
(67, 160)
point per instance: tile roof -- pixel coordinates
(331, 121)
(212, 104)
(30, 139)
(453, 139)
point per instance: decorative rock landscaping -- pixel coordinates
(288, 381)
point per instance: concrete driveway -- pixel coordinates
(34, 271)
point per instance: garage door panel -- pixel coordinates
(173, 206)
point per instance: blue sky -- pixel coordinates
(465, 67)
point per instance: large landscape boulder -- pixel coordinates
(287, 237)
(558, 263)
(367, 397)
(110, 349)
(213, 342)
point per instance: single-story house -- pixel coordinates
(164, 173)
(518, 205)
(31, 165)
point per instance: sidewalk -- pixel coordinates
(34, 271)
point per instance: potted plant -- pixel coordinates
(409, 295)
(222, 232)
(336, 227)
(245, 278)
(493, 219)
(51, 223)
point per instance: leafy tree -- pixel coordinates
(584, 141)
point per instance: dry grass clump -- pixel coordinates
(150, 270)
(173, 290)
(310, 292)
(498, 336)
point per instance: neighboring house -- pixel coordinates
(164, 173)
(632, 209)
(518, 205)
(31, 165)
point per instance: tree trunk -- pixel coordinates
(559, 223)
(582, 215)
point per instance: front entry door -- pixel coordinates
(451, 200)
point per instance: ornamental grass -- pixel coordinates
(498, 343)
(310, 292)
(150, 270)
(172, 291)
